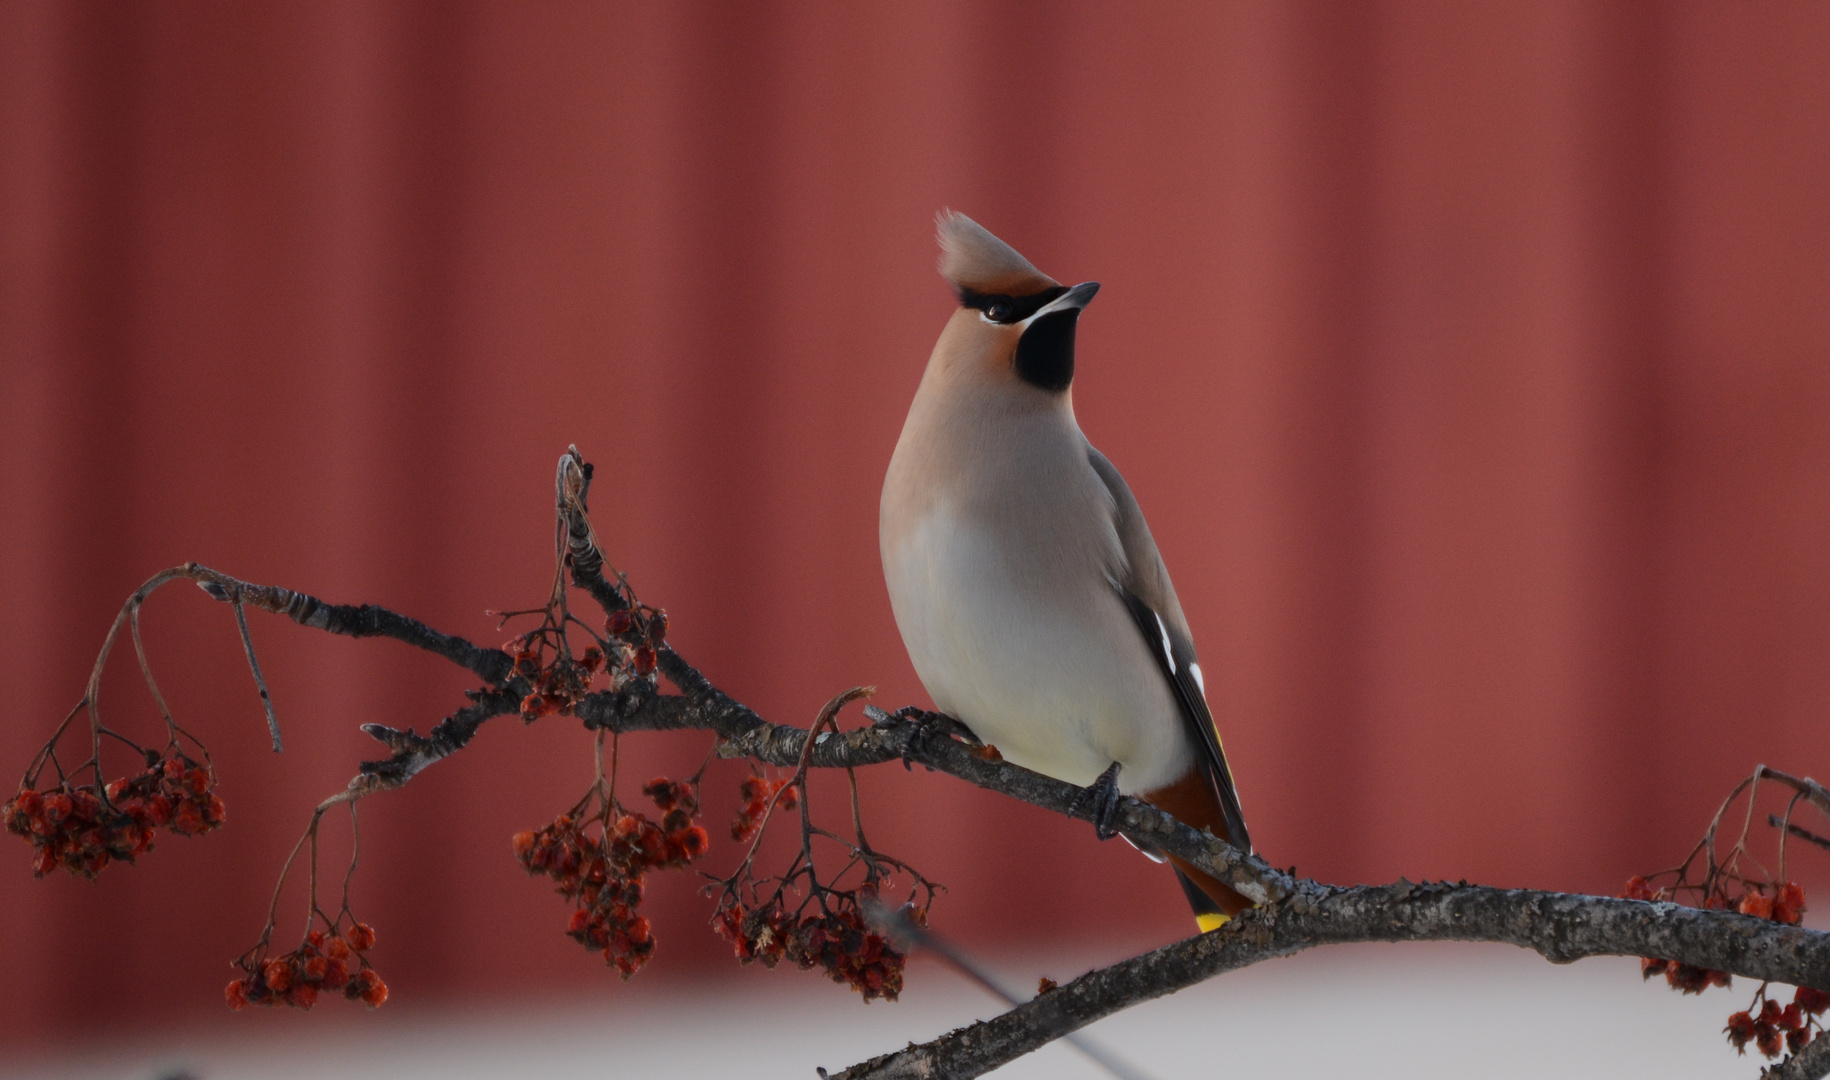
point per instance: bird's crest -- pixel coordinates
(977, 262)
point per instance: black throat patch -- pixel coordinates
(1045, 352)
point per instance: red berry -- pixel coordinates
(278, 974)
(84, 804)
(189, 820)
(693, 842)
(158, 810)
(1811, 1000)
(1756, 905)
(1789, 905)
(361, 936)
(374, 991)
(236, 994)
(56, 807)
(1740, 1030)
(1766, 1037)
(1693, 980)
(336, 973)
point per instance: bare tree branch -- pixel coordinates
(1293, 914)
(1298, 915)
(1563, 927)
(1811, 1063)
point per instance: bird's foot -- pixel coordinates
(928, 727)
(1103, 794)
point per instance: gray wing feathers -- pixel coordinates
(1144, 585)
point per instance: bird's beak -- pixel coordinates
(1073, 300)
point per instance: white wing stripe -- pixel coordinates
(1169, 651)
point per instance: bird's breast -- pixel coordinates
(1011, 617)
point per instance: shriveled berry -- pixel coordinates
(1756, 905)
(374, 991)
(56, 807)
(1789, 905)
(278, 975)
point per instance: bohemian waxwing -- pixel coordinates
(1028, 590)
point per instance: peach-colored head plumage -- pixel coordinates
(975, 260)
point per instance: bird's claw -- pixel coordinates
(1103, 794)
(928, 727)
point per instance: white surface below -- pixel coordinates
(1412, 1011)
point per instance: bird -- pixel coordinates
(1030, 595)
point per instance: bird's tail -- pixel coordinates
(1208, 914)
(1214, 903)
(1195, 801)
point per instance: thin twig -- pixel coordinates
(909, 935)
(1795, 830)
(254, 665)
(152, 687)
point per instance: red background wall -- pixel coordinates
(1469, 360)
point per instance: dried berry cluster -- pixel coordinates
(1785, 904)
(1794, 1025)
(1771, 1025)
(74, 826)
(322, 964)
(1687, 978)
(559, 685)
(603, 875)
(638, 631)
(836, 940)
(631, 649)
(757, 791)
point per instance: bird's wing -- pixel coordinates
(1144, 583)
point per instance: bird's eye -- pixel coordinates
(999, 311)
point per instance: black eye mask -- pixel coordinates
(1000, 308)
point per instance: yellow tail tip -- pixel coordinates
(1211, 921)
